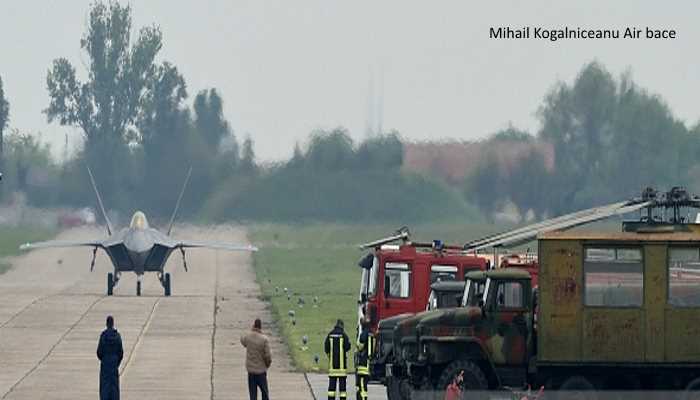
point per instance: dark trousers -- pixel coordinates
(342, 382)
(256, 381)
(109, 381)
(361, 387)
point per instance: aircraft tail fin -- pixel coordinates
(179, 199)
(99, 200)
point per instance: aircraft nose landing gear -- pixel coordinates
(139, 278)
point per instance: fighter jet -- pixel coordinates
(138, 248)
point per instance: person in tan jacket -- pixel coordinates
(257, 360)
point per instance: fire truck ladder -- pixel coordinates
(674, 199)
(401, 234)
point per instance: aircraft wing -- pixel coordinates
(215, 245)
(60, 243)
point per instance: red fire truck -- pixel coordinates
(527, 261)
(396, 279)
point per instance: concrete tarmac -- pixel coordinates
(52, 310)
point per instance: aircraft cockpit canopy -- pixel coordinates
(139, 221)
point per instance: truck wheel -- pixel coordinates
(474, 378)
(110, 284)
(577, 387)
(692, 390)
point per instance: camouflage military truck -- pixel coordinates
(405, 340)
(443, 294)
(471, 338)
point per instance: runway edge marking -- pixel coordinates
(213, 331)
(311, 388)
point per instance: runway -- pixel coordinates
(52, 310)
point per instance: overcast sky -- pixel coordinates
(285, 68)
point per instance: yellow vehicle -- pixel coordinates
(621, 307)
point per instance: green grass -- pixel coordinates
(12, 237)
(321, 260)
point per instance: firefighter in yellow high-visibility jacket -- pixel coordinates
(365, 350)
(337, 346)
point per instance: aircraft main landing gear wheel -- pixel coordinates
(166, 283)
(110, 284)
(138, 288)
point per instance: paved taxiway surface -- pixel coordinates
(52, 310)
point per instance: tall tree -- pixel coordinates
(486, 186)
(4, 118)
(297, 159)
(248, 156)
(650, 146)
(577, 120)
(383, 151)
(527, 183)
(106, 106)
(24, 153)
(163, 126)
(162, 107)
(331, 150)
(209, 118)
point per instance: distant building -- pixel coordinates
(452, 161)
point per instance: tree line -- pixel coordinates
(610, 139)
(600, 139)
(140, 138)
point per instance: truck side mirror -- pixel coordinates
(366, 262)
(387, 283)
